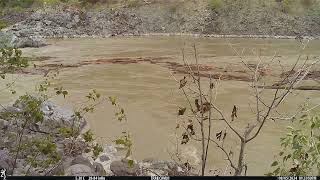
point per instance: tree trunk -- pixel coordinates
(240, 161)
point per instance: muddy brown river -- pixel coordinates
(151, 97)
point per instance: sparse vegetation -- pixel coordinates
(3, 24)
(133, 3)
(286, 5)
(300, 154)
(40, 150)
(215, 4)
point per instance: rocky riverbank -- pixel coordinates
(231, 20)
(73, 161)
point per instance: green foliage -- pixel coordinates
(133, 3)
(130, 163)
(120, 114)
(2, 24)
(215, 4)
(22, 5)
(112, 100)
(60, 90)
(68, 132)
(90, 3)
(126, 142)
(41, 153)
(11, 60)
(17, 3)
(286, 5)
(96, 149)
(88, 136)
(50, 1)
(94, 95)
(300, 155)
(31, 110)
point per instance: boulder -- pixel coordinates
(79, 170)
(22, 42)
(60, 115)
(99, 169)
(82, 160)
(158, 167)
(104, 158)
(60, 169)
(121, 168)
(5, 159)
(5, 39)
(4, 124)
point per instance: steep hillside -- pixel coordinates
(236, 17)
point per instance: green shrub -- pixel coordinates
(133, 3)
(300, 149)
(286, 5)
(2, 24)
(51, 1)
(215, 4)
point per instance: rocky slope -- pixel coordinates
(233, 18)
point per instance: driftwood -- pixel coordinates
(307, 88)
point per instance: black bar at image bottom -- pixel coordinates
(159, 177)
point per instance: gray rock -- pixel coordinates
(159, 165)
(81, 160)
(162, 168)
(149, 160)
(4, 124)
(5, 160)
(79, 170)
(60, 169)
(4, 164)
(104, 158)
(109, 149)
(22, 42)
(5, 39)
(12, 109)
(98, 168)
(60, 115)
(121, 168)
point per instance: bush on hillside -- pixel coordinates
(215, 4)
(2, 24)
(286, 5)
(299, 155)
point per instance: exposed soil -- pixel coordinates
(233, 73)
(234, 17)
(312, 75)
(205, 70)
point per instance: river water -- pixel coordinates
(150, 95)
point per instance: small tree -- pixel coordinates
(202, 106)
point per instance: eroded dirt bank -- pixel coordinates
(237, 18)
